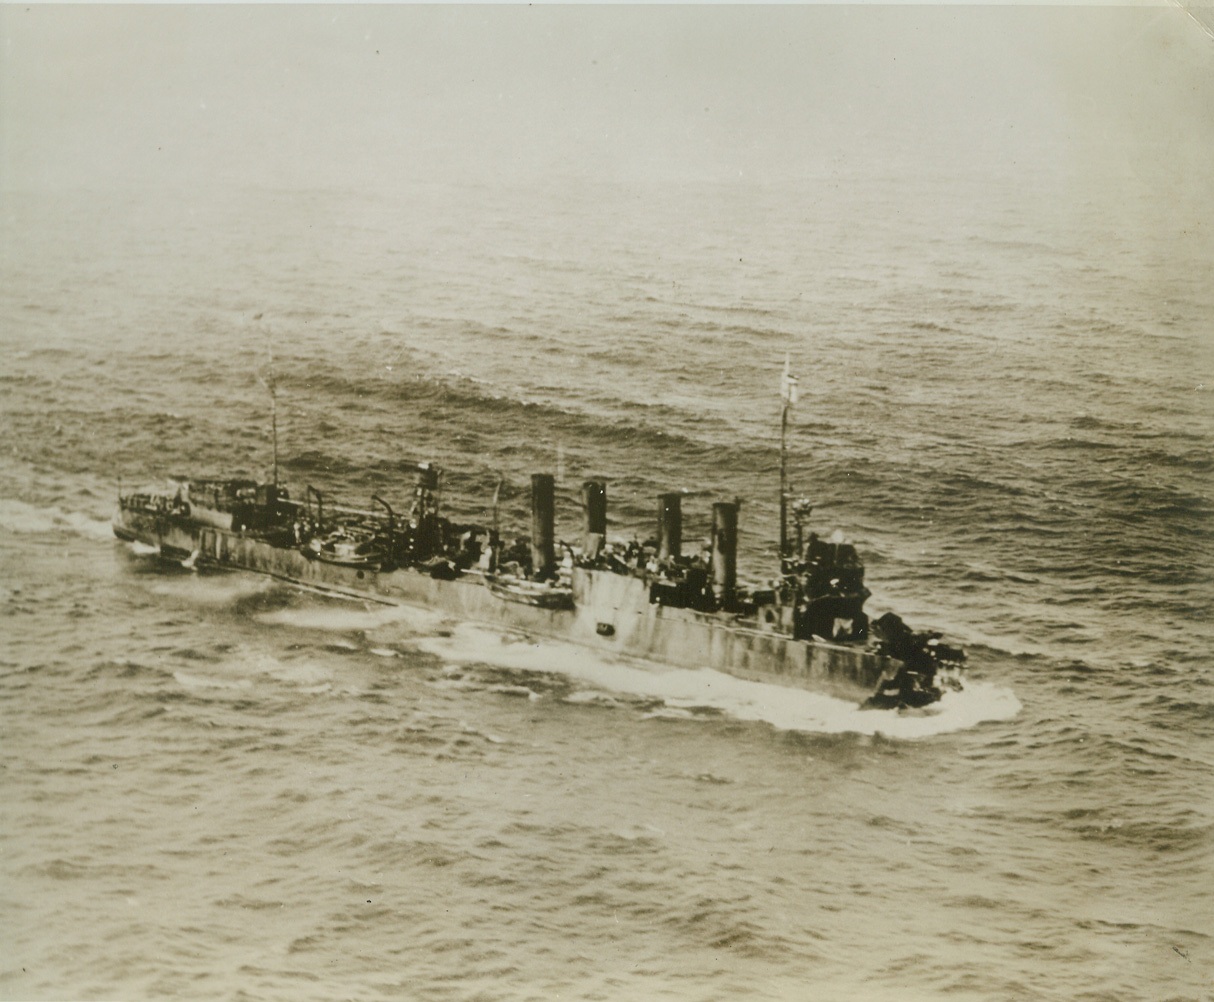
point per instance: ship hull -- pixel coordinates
(612, 613)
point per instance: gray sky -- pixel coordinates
(102, 96)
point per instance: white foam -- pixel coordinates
(310, 677)
(350, 619)
(515, 690)
(784, 707)
(210, 590)
(592, 698)
(241, 669)
(668, 713)
(19, 517)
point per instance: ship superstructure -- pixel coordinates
(650, 599)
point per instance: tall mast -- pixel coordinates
(783, 483)
(270, 383)
(274, 429)
(788, 393)
(496, 494)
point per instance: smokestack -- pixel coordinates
(670, 525)
(724, 550)
(543, 551)
(594, 497)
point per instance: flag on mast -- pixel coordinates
(788, 384)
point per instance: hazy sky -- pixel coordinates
(174, 96)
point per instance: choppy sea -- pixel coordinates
(215, 787)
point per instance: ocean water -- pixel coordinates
(217, 787)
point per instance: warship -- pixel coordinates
(650, 600)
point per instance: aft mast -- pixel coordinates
(788, 396)
(266, 378)
(274, 430)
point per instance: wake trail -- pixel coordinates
(783, 707)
